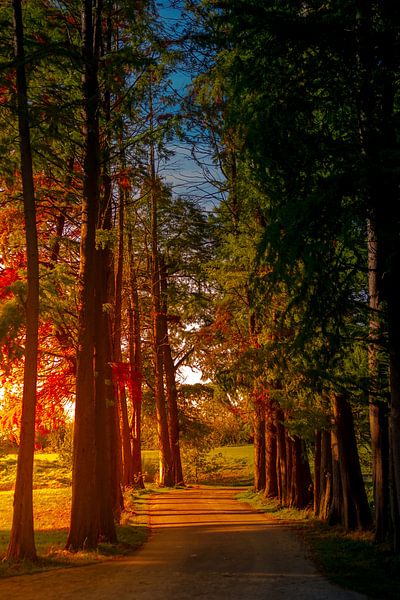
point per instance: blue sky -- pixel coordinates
(182, 172)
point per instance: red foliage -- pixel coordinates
(123, 179)
(39, 38)
(7, 277)
(121, 374)
(124, 376)
(4, 94)
(71, 20)
(54, 390)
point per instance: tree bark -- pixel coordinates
(290, 485)
(335, 515)
(107, 503)
(113, 502)
(379, 146)
(166, 467)
(356, 512)
(301, 481)
(127, 466)
(169, 367)
(326, 492)
(22, 542)
(135, 358)
(281, 455)
(378, 409)
(108, 455)
(317, 471)
(271, 480)
(259, 441)
(84, 527)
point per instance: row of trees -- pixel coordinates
(88, 94)
(302, 107)
(285, 296)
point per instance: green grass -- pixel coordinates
(272, 507)
(350, 560)
(226, 465)
(52, 500)
(354, 562)
(47, 471)
(237, 464)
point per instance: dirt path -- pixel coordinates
(204, 544)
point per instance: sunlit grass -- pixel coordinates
(237, 464)
(272, 507)
(52, 501)
(47, 471)
(224, 465)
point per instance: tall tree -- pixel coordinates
(22, 544)
(170, 381)
(84, 528)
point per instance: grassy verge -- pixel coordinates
(52, 507)
(350, 560)
(52, 500)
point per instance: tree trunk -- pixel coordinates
(336, 508)
(127, 466)
(377, 101)
(356, 512)
(394, 425)
(22, 542)
(113, 502)
(169, 367)
(301, 481)
(108, 455)
(84, 527)
(259, 441)
(271, 480)
(281, 455)
(166, 467)
(378, 410)
(135, 358)
(317, 472)
(105, 407)
(326, 494)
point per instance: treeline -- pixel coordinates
(285, 295)
(94, 250)
(300, 101)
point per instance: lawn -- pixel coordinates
(52, 499)
(225, 465)
(48, 471)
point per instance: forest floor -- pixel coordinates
(203, 544)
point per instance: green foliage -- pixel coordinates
(199, 466)
(11, 319)
(218, 466)
(61, 442)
